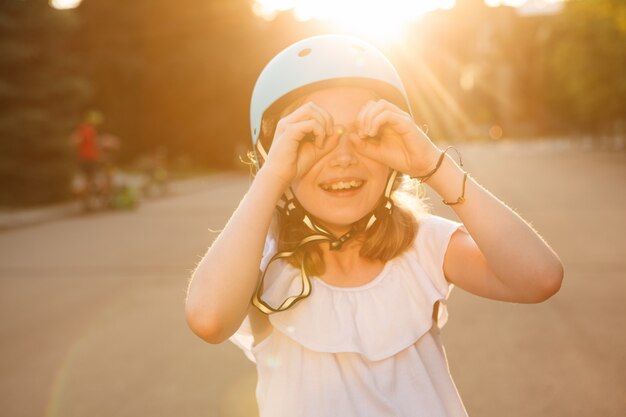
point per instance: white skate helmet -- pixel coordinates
(317, 62)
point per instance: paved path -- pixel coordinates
(92, 324)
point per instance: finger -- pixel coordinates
(328, 121)
(304, 112)
(300, 114)
(374, 109)
(368, 148)
(387, 105)
(360, 118)
(309, 154)
(307, 130)
(330, 143)
(379, 107)
(398, 122)
(311, 110)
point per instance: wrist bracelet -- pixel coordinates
(425, 178)
(461, 199)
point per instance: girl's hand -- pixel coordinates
(301, 139)
(388, 135)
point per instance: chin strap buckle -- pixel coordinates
(337, 244)
(290, 207)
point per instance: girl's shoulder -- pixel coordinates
(433, 223)
(424, 259)
(433, 235)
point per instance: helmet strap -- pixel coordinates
(261, 154)
(291, 208)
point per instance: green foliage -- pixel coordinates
(587, 66)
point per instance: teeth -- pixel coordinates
(342, 185)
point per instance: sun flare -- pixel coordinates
(382, 20)
(64, 4)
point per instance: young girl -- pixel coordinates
(331, 275)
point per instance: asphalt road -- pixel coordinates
(92, 323)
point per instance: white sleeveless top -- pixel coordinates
(372, 350)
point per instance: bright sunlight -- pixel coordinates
(384, 20)
(64, 4)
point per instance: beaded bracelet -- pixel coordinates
(461, 198)
(425, 178)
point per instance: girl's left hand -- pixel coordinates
(388, 135)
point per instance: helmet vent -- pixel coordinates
(304, 52)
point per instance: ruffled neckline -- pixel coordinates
(377, 319)
(355, 288)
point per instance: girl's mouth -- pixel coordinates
(342, 185)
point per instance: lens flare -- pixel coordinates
(64, 4)
(382, 20)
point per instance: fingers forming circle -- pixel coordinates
(309, 130)
(376, 108)
(392, 118)
(310, 110)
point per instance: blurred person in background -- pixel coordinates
(88, 152)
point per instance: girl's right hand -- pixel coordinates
(301, 139)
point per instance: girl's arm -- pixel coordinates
(224, 281)
(502, 257)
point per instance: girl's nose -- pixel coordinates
(344, 154)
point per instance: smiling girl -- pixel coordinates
(331, 274)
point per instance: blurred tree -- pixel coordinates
(40, 96)
(529, 54)
(587, 62)
(176, 74)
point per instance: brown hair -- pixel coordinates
(386, 239)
